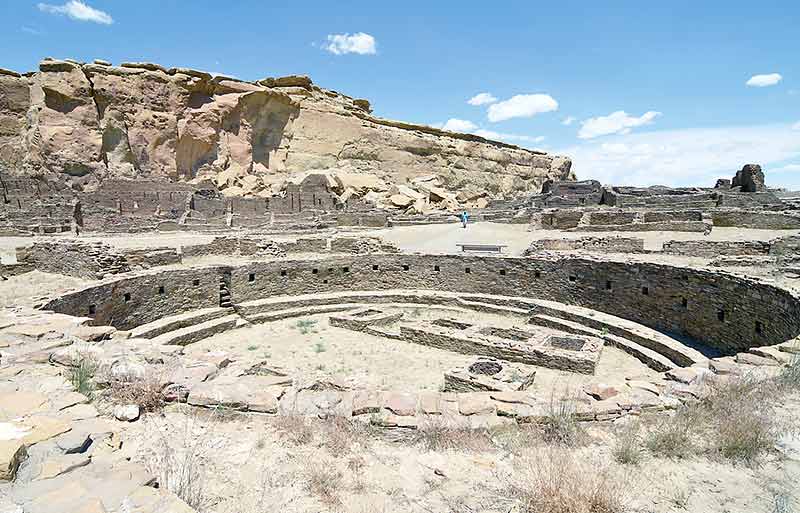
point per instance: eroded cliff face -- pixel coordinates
(83, 123)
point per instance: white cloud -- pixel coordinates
(499, 136)
(468, 127)
(796, 126)
(769, 79)
(459, 125)
(482, 99)
(30, 30)
(567, 121)
(522, 106)
(78, 10)
(694, 156)
(360, 43)
(618, 122)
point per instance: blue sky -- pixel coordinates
(678, 69)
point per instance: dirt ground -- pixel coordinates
(312, 347)
(254, 464)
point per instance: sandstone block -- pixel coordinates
(12, 452)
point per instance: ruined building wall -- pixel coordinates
(724, 311)
(91, 260)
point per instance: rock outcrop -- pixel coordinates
(84, 123)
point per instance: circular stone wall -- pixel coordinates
(723, 311)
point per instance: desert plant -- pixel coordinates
(319, 347)
(627, 447)
(340, 435)
(553, 480)
(145, 392)
(679, 497)
(294, 428)
(305, 325)
(739, 414)
(178, 467)
(672, 437)
(789, 378)
(437, 436)
(82, 376)
(560, 424)
(324, 481)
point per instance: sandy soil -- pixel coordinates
(363, 360)
(255, 464)
(23, 290)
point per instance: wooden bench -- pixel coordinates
(483, 248)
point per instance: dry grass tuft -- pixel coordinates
(734, 420)
(627, 448)
(146, 392)
(343, 436)
(324, 481)
(561, 425)
(554, 480)
(178, 467)
(294, 428)
(674, 435)
(437, 436)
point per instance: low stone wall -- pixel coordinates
(14, 269)
(362, 245)
(73, 258)
(710, 249)
(785, 246)
(674, 226)
(761, 220)
(612, 220)
(599, 244)
(151, 257)
(556, 219)
(726, 312)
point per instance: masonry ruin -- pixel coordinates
(211, 288)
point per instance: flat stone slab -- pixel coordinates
(247, 393)
(12, 452)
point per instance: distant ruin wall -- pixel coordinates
(727, 312)
(710, 249)
(759, 220)
(73, 258)
(600, 244)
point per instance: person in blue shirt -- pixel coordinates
(464, 219)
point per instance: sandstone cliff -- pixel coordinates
(83, 123)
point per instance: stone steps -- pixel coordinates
(494, 308)
(678, 352)
(189, 334)
(288, 313)
(175, 322)
(652, 359)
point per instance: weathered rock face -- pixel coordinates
(85, 123)
(750, 178)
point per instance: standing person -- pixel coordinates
(464, 219)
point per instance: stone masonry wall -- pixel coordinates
(721, 310)
(602, 244)
(703, 248)
(74, 258)
(131, 301)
